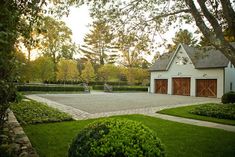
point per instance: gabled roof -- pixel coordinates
(201, 58)
(162, 63)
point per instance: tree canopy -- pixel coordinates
(211, 17)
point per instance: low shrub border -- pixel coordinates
(123, 88)
(32, 112)
(216, 110)
(186, 112)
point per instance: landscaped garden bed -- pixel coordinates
(32, 112)
(219, 113)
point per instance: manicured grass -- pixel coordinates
(31, 112)
(181, 140)
(186, 112)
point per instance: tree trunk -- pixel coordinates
(216, 37)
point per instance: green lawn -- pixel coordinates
(181, 140)
(185, 112)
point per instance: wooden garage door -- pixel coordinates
(161, 86)
(206, 88)
(181, 86)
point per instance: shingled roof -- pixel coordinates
(201, 58)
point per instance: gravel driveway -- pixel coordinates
(99, 102)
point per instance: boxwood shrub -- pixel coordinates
(228, 97)
(116, 138)
(221, 111)
(49, 88)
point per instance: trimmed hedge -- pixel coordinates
(49, 88)
(116, 138)
(123, 88)
(130, 88)
(221, 111)
(92, 83)
(32, 112)
(228, 98)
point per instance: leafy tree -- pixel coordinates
(88, 73)
(43, 68)
(136, 75)
(56, 40)
(11, 27)
(107, 72)
(67, 70)
(132, 47)
(156, 16)
(98, 43)
(184, 37)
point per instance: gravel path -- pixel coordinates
(113, 102)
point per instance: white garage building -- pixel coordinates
(193, 72)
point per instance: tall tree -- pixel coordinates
(156, 16)
(56, 40)
(88, 73)
(67, 70)
(97, 46)
(132, 47)
(182, 36)
(43, 69)
(11, 27)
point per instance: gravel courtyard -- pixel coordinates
(99, 102)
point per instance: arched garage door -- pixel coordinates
(206, 87)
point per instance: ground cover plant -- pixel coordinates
(116, 138)
(216, 110)
(53, 139)
(219, 113)
(31, 112)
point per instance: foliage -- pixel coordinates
(9, 18)
(98, 43)
(73, 82)
(130, 88)
(228, 97)
(48, 88)
(225, 111)
(122, 88)
(133, 48)
(137, 76)
(181, 140)
(107, 72)
(114, 137)
(67, 70)
(56, 40)
(182, 37)
(43, 68)
(159, 16)
(186, 112)
(88, 73)
(32, 112)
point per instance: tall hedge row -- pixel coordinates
(49, 88)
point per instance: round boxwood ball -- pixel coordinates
(116, 138)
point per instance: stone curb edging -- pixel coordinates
(21, 145)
